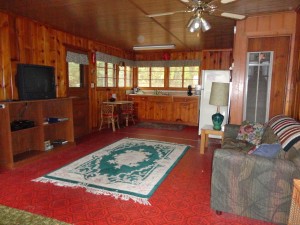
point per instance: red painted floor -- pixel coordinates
(182, 198)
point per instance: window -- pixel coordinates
(176, 77)
(101, 74)
(125, 76)
(111, 75)
(182, 77)
(75, 64)
(75, 74)
(151, 76)
(106, 74)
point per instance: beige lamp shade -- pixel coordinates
(219, 94)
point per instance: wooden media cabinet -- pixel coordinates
(24, 145)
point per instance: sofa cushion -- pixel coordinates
(293, 155)
(269, 137)
(238, 145)
(266, 150)
(287, 129)
(251, 132)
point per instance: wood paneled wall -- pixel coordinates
(165, 55)
(216, 59)
(271, 25)
(280, 45)
(25, 41)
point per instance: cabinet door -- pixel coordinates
(6, 156)
(140, 106)
(163, 111)
(160, 108)
(186, 110)
(150, 110)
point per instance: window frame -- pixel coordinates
(150, 77)
(116, 79)
(167, 79)
(82, 71)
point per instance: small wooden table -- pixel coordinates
(294, 217)
(205, 131)
(118, 102)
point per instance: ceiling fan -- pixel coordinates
(198, 8)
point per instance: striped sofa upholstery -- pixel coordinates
(252, 185)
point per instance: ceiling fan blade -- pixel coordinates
(233, 15)
(218, 12)
(217, 2)
(166, 13)
(227, 1)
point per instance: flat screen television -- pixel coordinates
(35, 82)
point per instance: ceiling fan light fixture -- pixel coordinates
(198, 23)
(194, 24)
(154, 47)
(205, 25)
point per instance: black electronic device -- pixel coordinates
(35, 82)
(21, 124)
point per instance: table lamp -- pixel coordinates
(218, 96)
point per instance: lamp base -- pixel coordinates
(217, 120)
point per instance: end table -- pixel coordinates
(205, 131)
(294, 217)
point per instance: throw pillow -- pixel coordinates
(251, 132)
(266, 150)
(287, 129)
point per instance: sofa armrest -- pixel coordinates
(252, 186)
(231, 130)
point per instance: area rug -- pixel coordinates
(127, 169)
(163, 126)
(11, 216)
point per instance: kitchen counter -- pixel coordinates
(180, 109)
(164, 95)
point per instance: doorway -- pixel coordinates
(78, 88)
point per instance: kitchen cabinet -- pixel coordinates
(186, 110)
(171, 109)
(140, 106)
(160, 108)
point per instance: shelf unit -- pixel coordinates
(20, 146)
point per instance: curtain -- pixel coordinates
(77, 58)
(160, 63)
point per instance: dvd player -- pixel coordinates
(21, 124)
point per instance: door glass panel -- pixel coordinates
(258, 84)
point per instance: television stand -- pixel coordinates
(26, 145)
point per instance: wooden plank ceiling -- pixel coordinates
(123, 23)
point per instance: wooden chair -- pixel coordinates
(127, 112)
(109, 115)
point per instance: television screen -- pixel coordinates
(35, 82)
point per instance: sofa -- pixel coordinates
(256, 185)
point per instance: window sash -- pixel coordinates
(151, 76)
(181, 77)
(75, 75)
(112, 75)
